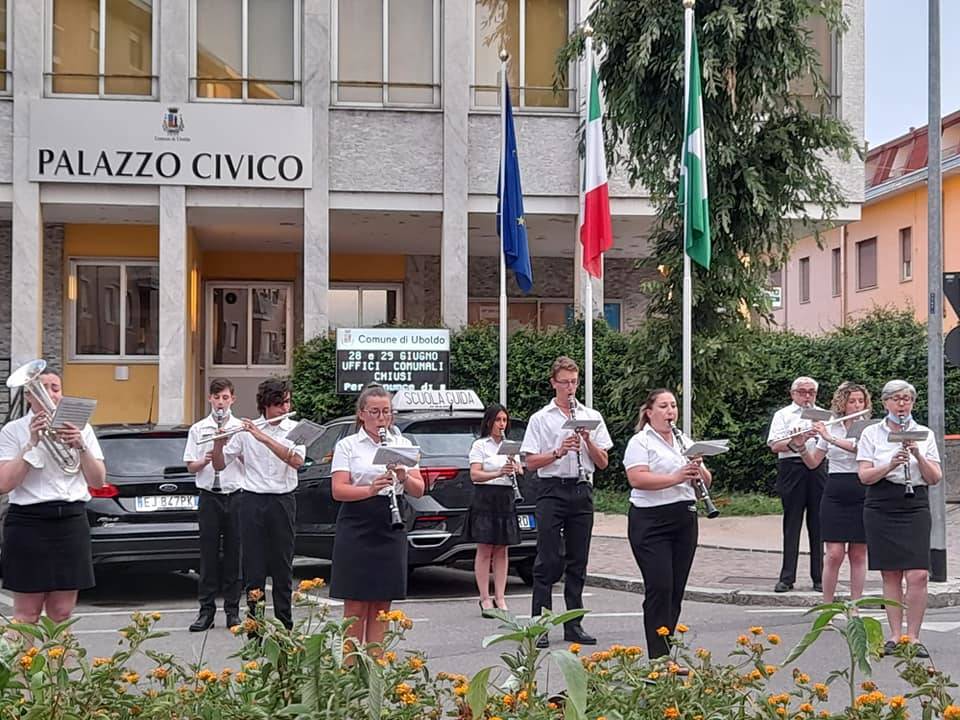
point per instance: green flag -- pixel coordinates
(693, 182)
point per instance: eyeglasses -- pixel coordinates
(566, 382)
(901, 398)
(379, 413)
(805, 391)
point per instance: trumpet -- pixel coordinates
(257, 423)
(908, 490)
(396, 520)
(581, 471)
(701, 486)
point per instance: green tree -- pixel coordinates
(768, 161)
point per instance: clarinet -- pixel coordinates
(581, 471)
(517, 495)
(701, 486)
(908, 490)
(396, 521)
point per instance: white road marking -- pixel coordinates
(6, 599)
(473, 598)
(590, 615)
(940, 626)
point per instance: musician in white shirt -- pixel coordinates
(897, 519)
(218, 514)
(492, 519)
(800, 487)
(565, 461)
(47, 555)
(369, 554)
(662, 523)
(268, 507)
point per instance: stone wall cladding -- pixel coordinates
(6, 140)
(6, 237)
(421, 291)
(54, 330)
(386, 151)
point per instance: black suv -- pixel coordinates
(435, 522)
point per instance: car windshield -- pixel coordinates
(143, 455)
(449, 437)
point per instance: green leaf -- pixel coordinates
(805, 642)
(858, 644)
(876, 602)
(271, 650)
(874, 636)
(508, 637)
(564, 617)
(576, 678)
(477, 692)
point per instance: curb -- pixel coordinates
(715, 546)
(940, 595)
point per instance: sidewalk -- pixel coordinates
(738, 562)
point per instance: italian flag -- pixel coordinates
(596, 233)
(693, 182)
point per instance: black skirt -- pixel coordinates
(46, 547)
(492, 518)
(841, 509)
(898, 527)
(369, 557)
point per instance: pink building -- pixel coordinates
(881, 259)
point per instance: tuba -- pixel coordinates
(27, 378)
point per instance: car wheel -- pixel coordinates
(524, 569)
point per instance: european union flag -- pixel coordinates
(511, 225)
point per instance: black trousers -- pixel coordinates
(219, 518)
(663, 540)
(268, 543)
(564, 528)
(800, 492)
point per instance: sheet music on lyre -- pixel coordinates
(73, 410)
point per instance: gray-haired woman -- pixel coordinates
(896, 520)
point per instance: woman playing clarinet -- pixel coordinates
(662, 524)
(369, 554)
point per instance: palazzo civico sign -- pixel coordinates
(148, 143)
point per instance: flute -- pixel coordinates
(800, 431)
(396, 521)
(257, 423)
(701, 486)
(581, 471)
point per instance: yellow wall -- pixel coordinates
(221, 265)
(117, 400)
(367, 268)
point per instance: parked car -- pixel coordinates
(435, 522)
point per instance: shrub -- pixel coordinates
(881, 346)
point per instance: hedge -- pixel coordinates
(738, 405)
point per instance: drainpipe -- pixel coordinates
(843, 275)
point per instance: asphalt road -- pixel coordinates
(448, 626)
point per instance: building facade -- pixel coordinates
(190, 188)
(881, 259)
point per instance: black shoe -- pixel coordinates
(889, 647)
(920, 651)
(233, 619)
(818, 587)
(203, 622)
(543, 642)
(575, 633)
(782, 587)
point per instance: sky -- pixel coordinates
(896, 65)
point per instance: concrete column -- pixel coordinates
(174, 274)
(456, 114)
(26, 271)
(316, 200)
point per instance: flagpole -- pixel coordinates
(504, 56)
(687, 322)
(588, 289)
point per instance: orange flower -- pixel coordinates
(206, 675)
(99, 661)
(255, 595)
(575, 648)
(663, 631)
(756, 630)
(671, 713)
(743, 640)
(251, 666)
(130, 677)
(26, 662)
(653, 675)
(905, 640)
(821, 691)
(771, 669)
(897, 702)
(681, 628)
(773, 639)
(802, 678)
(951, 712)
(160, 673)
(241, 677)
(806, 708)
(55, 652)
(415, 663)
(868, 685)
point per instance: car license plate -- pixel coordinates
(526, 522)
(152, 503)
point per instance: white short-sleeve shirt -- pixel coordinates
(354, 454)
(545, 433)
(876, 448)
(264, 472)
(484, 451)
(838, 459)
(231, 477)
(785, 420)
(648, 448)
(48, 482)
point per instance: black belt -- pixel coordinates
(218, 492)
(562, 480)
(797, 459)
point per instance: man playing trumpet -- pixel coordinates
(268, 507)
(800, 488)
